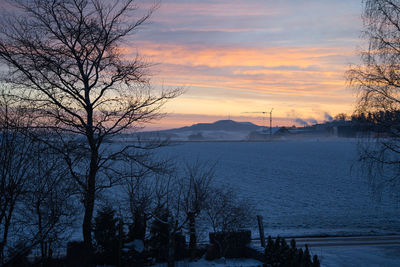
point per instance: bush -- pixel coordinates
(106, 236)
(231, 244)
(161, 240)
(227, 212)
(159, 232)
(78, 254)
(278, 253)
(212, 252)
(181, 250)
(19, 255)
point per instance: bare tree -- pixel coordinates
(15, 165)
(177, 201)
(142, 195)
(65, 60)
(172, 202)
(47, 210)
(197, 184)
(227, 212)
(189, 191)
(377, 82)
(33, 188)
(340, 117)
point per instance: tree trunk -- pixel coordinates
(171, 250)
(192, 238)
(90, 200)
(91, 180)
(171, 243)
(139, 225)
(1, 253)
(87, 220)
(89, 208)
(7, 223)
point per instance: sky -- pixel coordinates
(233, 57)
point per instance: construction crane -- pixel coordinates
(265, 113)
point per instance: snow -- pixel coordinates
(309, 187)
(372, 256)
(359, 256)
(136, 244)
(303, 188)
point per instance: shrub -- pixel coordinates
(19, 255)
(159, 232)
(106, 236)
(231, 244)
(278, 253)
(227, 212)
(78, 254)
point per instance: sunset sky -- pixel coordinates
(247, 56)
(238, 56)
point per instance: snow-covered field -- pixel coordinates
(372, 256)
(303, 187)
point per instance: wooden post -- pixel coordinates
(261, 230)
(120, 242)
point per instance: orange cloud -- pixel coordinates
(309, 80)
(225, 57)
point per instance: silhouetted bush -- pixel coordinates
(159, 235)
(278, 253)
(231, 244)
(137, 230)
(107, 237)
(50, 262)
(212, 252)
(78, 254)
(19, 255)
(161, 240)
(181, 249)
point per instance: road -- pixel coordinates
(348, 241)
(342, 241)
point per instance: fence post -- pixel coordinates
(261, 230)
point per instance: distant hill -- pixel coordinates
(223, 130)
(222, 125)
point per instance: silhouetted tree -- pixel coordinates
(35, 192)
(65, 61)
(48, 208)
(197, 188)
(377, 82)
(340, 117)
(226, 211)
(15, 167)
